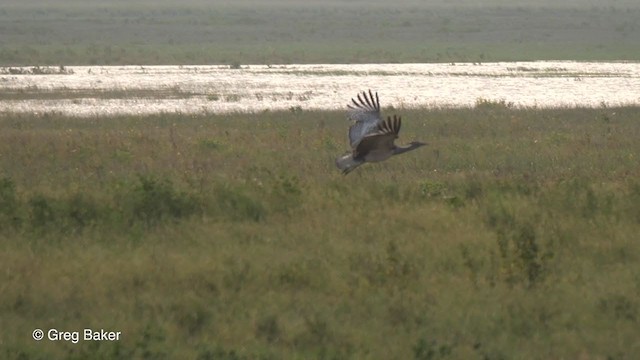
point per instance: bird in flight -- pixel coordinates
(371, 137)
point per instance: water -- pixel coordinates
(112, 90)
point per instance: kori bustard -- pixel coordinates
(371, 137)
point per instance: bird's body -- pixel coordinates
(372, 139)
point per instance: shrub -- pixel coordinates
(236, 205)
(219, 353)
(619, 307)
(211, 144)
(430, 350)
(81, 211)
(488, 104)
(66, 214)
(9, 205)
(268, 328)
(154, 200)
(41, 211)
(286, 193)
(432, 189)
(521, 259)
(389, 267)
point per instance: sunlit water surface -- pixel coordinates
(112, 90)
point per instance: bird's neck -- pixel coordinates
(403, 149)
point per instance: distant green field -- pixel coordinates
(70, 32)
(514, 234)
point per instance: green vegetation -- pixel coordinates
(73, 32)
(514, 234)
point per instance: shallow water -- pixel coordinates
(111, 90)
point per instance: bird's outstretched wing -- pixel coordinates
(365, 111)
(382, 139)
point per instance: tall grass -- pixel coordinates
(513, 234)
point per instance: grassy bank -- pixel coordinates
(71, 32)
(512, 235)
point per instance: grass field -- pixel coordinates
(514, 234)
(72, 32)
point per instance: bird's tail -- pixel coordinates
(347, 163)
